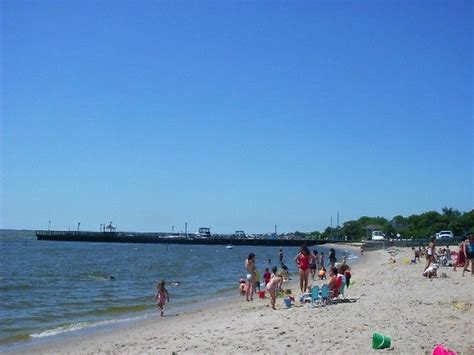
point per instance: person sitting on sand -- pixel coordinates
(431, 271)
(322, 273)
(273, 286)
(162, 296)
(334, 283)
(449, 259)
(417, 254)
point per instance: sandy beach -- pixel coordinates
(390, 298)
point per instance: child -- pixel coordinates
(346, 270)
(257, 281)
(273, 286)
(322, 273)
(266, 276)
(417, 254)
(284, 272)
(162, 296)
(242, 287)
(431, 271)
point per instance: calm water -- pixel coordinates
(49, 288)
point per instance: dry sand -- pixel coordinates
(391, 298)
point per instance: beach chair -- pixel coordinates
(325, 298)
(315, 297)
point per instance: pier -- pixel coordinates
(166, 238)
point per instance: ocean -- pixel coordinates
(50, 288)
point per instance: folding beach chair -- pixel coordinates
(325, 298)
(315, 297)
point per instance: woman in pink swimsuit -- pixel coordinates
(303, 259)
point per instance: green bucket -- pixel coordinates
(380, 341)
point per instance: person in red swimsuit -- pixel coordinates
(303, 259)
(461, 258)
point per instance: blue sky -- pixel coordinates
(233, 115)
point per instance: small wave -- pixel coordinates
(121, 309)
(74, 327)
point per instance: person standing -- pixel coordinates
(250, 267)
(280, 256)
(314, 264)
(469, 254)
(332, 257)
(430, 253)
(461, 257)
(162, 296)
(303, 260)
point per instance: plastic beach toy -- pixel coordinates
(441, 350)
(380, 341)
(287, 302)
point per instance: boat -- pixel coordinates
(229, 246)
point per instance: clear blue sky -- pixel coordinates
(233, 115)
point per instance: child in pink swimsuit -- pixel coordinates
(162, 296)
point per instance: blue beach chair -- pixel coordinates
(315, 297)
(325, 294)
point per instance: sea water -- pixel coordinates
(49, 288)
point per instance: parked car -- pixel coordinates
(444, 235)
(378, 235)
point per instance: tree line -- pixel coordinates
(415, 226)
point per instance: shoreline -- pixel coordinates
(390, 298)
(77, 330)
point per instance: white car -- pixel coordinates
(444, 235)
(378, 235)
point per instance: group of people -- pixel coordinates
(314, 264)
(307, 263)
(444, 256)
(273, 281)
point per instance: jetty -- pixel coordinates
(166, 238)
